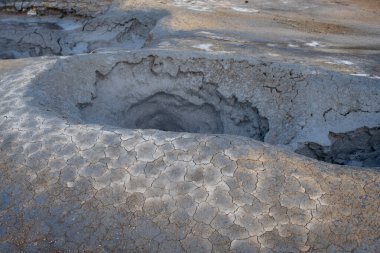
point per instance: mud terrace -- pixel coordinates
(151, 126)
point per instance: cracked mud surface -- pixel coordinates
(173, 150)
(72, 186)
(181, 193)
(276, 103)
(46, 36)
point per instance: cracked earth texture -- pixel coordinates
(44, 36)
(78, 7)
(75, 176)
(68, 186)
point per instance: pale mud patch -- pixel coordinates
(247, 10)
(205, 47)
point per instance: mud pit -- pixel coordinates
(189, 143)
(75, 138)
(179, 105)
(22, 37)
(358, 148)
(197, 106)
(281, 104)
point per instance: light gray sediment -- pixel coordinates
(280, 103)
(178, 150)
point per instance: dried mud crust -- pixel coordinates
(67, 186)
(62, 7)
(71, 181)
(22, 37)
(158, 192)
(219, 96)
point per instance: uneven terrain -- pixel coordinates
(189, 126)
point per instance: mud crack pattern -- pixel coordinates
(69, 187)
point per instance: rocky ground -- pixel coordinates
(174, 126)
